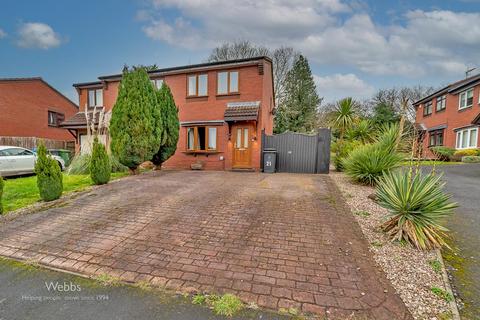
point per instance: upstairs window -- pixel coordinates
(201, 139)
(427, 108)
(467, 138)
(465, 99)
(158, 83)
(436, 138)
(197, 85)
(55, 118)
(227, 82)
(441, 103)
(95, 98)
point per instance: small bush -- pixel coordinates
(81, 165)
(49, 175)
(443, 153)
(1, 193)
(100, 166)
(417, 206)
(466, 152)
(342, 150)
(471, 159)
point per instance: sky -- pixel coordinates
(354, 47)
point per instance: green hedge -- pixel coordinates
(471, 159)
(443, 153)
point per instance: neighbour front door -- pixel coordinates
(242, 147)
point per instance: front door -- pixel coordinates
(242, 147)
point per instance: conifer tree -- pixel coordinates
(49, 175)
(170, 126)
(298, 111)
(100, 165)
(135, 126)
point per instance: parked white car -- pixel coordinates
(17, 161)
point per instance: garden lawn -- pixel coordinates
(21, 192)
(431, 163)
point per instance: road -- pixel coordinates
(21, 289)
(463, 183)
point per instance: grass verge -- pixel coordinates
(21, 192)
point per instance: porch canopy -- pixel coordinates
(242, 111)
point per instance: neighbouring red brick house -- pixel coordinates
(451, 116)
(223, 108)
(30, 107)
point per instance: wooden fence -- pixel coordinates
(32, 142)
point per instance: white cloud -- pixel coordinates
(3, 34)
(336, 86)
(438, 42)
(37, 35)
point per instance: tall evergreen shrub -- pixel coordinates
(100, 165)
(49, 175)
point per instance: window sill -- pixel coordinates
(196, 97)
(427, 115)
(53, 125)
(466, 108)
(202, 152)
(440, 111)
(228, 94)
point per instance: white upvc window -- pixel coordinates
(467, 138)
(465, 99)
(95, 98)
(197, 85)
(157, 83)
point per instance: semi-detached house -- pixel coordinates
(223, 109)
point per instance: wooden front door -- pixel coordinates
(242, 150)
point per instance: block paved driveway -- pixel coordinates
(281, 240)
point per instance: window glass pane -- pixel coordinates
(245, 138)
(238, 144)
(91, 98)
(222, 83)
(212, 138)
(462, 100)
(432, 140)
(158, 83)
(192, 85)
(458, 140)
(201, 138)
(99, 96)
(202, 85)
(473, 138)
(469, 97)
(440, 139)
(234, 81)
(191, 138)
(464, 139)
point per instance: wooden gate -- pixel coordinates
(300, 153)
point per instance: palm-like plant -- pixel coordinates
(417, 206)
(344, 115)
(361, 131)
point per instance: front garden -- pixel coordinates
(401, 210)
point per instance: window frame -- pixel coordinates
(436, 134)
(197, 77)
(229, 92)
(95, 97)
(461, 133)
(443, 100)
(465, 92)
(157, 80)
(56, 116)
(430, 105)
(195, 139)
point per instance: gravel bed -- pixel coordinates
(408, 269)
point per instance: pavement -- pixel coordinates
(279, 241)
(24, 295)
(463, 183)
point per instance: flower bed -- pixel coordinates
(413, 273)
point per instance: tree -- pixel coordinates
(298, 112)
(135, 126)
(49, 175)
(100, 165)
(384, 113)
(344, 116)
(282, 59)
(170, 126)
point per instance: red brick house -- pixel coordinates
(223, 108)
(30, 107)
(451, 116)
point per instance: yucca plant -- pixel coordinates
(417, 207)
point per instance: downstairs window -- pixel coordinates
(200, 139)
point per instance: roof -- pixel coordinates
(177, 69)
(476, 120)
(238, 111)
(78, 120)
(41, 80)
(451, 88)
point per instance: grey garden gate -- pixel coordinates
(300, 153)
